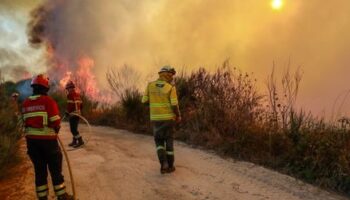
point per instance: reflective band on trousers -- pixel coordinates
(61, 192)
(170, 153)
(41, 188)
(160, 147)
(60, 189)
(77, 136)
(42, 191)
(42, 194)
(60, 186)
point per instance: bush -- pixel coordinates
(220, 106)
(224, 111)
(9, 130)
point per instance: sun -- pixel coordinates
(277, 4)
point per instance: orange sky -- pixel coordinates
(149, 33)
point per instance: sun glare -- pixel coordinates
(277, 4)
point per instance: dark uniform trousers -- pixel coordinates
(73, 124)
(164, 139)
(46, 154)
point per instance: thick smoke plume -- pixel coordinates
(150, 33)
(17, 59)
(68, 58)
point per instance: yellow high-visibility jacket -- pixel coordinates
(161, 96)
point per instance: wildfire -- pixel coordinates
(82, 76)
(67, 77)
(66, 61)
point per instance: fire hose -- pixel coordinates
(20, 127)
(66, 155)
(69, 167)
(87, 137)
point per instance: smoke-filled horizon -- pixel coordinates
(17, 58)
(188, 34)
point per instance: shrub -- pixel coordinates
(9, 130)
(224, 111)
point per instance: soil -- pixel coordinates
(116, 164)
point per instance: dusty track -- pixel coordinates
(119, 165)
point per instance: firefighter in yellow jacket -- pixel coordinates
(164, 112)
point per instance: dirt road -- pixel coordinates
(116, 165)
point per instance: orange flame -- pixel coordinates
(88, 80)
(80, 71)
(83, 77)
(67, 77)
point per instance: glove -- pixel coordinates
(57, 129)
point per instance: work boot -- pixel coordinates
(73, 143)
(170, 169)
(65, 196)
(164, 168)
(79, 143)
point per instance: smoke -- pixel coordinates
(15, 72)
(10, 65)
(17, 59)
(149, 33)
(68, 49)
(24, 88)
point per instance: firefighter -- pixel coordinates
(74, 106)
(42, 124)
(161, 97)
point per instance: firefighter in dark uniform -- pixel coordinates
(164, 112)
(74, 106)
(42, 123)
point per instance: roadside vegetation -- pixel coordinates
(224, 111)
(9, 126)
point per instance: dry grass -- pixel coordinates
(224, 111)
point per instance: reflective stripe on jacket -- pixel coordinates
(74, 102)
(161, 97)
(41, 116)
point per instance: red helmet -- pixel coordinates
(70, 84)
(40, 79)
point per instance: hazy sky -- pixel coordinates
(16, 56)
(312, 34)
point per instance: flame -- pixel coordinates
(79, 70)
(87, 78)
(82, 76)
(67, 77)
(66, 61)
